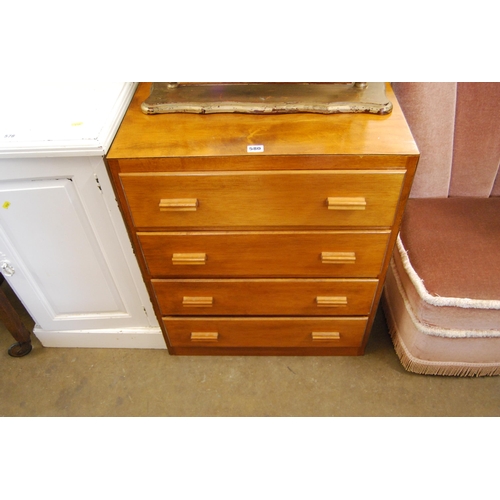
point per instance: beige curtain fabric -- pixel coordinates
(476, 149)
(429, 109)
(458, 133)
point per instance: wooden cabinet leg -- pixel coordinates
(11, 320)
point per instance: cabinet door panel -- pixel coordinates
(46, 237)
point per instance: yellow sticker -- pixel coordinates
(76, 124)
(6, 204)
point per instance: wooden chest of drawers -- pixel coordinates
(281, 252)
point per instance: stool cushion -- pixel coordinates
(442, 294)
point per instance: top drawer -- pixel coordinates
(238, 200)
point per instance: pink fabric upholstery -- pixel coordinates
(457, 131)
(496, 186)
(429, 109)
(451, 317)
(427, 354)
(476, 150)
(454, 245)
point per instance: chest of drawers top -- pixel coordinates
(189, 141)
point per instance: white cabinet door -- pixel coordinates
(59, 248)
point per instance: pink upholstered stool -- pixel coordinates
(442, 294)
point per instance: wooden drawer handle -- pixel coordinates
(338, 257)
(204, 336)
(197, 301)
(178, 205)
(189, 259)
(325, 335)
(331, 301)
(346, 203)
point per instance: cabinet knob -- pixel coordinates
(331, 301)
(325, 335)
(204, 336)
(197, 301)
(338, 257)
(346, 203)
(7, 268)
(178, 204)
(189, 259)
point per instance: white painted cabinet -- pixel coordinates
(63, 246)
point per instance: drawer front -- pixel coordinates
(265, 332)
(328, 254)
(263, 297)
(242, 200)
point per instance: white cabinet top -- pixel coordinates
(42, 119)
